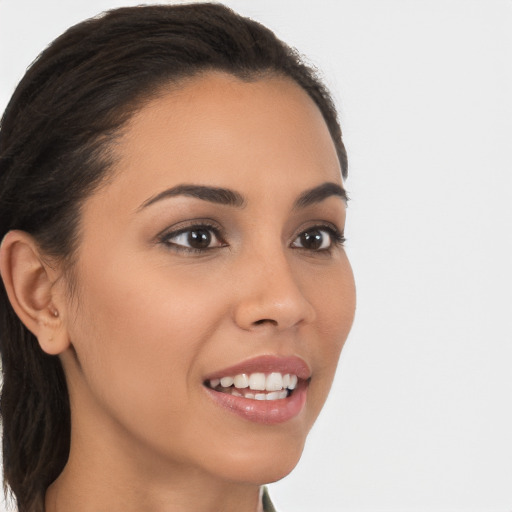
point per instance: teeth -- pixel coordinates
(276, 395)
(273, 395)
(241, 381)
(257, 381)
(276, 383)
(225, 382)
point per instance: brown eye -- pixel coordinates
(195, 238)
(318, 239)
(199, 238)
(314, 240)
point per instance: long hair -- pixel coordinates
(54, 152)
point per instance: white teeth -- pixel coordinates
(272, 396)
(274, 382)
(241, 381)
(277, 395)
(257, 381)
(225, 382)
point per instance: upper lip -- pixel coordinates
(266, 364)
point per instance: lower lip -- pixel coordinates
(269, 412)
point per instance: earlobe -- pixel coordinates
(29, 282)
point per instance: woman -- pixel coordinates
(176, 293)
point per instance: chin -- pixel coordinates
(260, 465)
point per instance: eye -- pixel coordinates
(194, 239)
(318, 238)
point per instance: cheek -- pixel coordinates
(334, 298)
(138, 333)
(337, 312)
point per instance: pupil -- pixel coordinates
(199, 238)
(311, 239)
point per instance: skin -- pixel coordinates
(150, 319)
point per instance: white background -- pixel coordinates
(420, 416)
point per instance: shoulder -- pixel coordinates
(267, 503)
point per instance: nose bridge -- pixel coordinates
(270, 291)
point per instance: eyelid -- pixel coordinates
(200, 222)
(319, 224)
(337, 235)
(196, 224)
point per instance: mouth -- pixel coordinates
(256, 386)
(265, 390)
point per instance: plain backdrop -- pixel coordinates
(420, 415)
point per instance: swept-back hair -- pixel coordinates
(55, 137)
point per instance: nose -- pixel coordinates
(270, 294)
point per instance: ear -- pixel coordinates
(30, 285)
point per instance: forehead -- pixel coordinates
(221, 131)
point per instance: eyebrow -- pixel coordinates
(227, 197)
(319, 194)
(216, 195)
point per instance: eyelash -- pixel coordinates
(337, 238)
(203, 226)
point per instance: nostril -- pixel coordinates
(265, 320)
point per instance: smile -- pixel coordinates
(267, 389)
(272, 386)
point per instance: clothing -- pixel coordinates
(267, 504)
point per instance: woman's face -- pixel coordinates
(213, 252)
